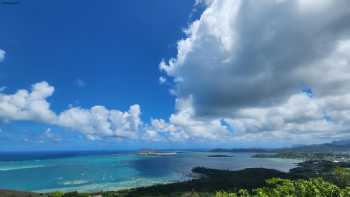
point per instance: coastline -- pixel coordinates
(208, 181)
(123, 171)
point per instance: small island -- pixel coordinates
(154, 153)
(220, 156)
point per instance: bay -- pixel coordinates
(105, 171)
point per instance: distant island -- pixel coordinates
(155, 153)
(335, 157)
(336, 151)
(220, 155)
(241, 150)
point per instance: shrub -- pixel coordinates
(277, 187)
(56, 194)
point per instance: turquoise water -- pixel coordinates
(118, 171)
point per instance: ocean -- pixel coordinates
(92, 171)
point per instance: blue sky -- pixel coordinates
(173, 74)
(114, 47)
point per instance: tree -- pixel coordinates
(277, 187)
(342, 176)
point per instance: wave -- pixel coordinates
(11, 168)
(85, 186)
(75, 182)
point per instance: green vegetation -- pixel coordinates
(341, 176)
(306, 155)
(334, 151)
(310, 178)
(244, 182)
(56, 194)
(336, 147)
(293, 188)
(68, 194)
(335, 172)
(10, 193)
(210, 182)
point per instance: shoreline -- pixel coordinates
(199, 174)
(209, 181)
(205, 177)
(141, 181)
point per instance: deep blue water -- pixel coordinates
(111, 170)
(21, 156)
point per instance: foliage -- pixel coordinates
(290, 154)
(210, 181)
(76, 194)
(56, 194)
(342, 176)
(277, 187)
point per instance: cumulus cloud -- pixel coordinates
(24, 105)
(2, 55)
(102, 122)
(260, 51)
(262, 54)
(99, 122)
(325, 112)
(96, 122)
(184, 125)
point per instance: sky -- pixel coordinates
(173, 74)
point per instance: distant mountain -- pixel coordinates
(335, 146)
(241, 150)
(342, 142)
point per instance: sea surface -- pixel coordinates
(97, 171)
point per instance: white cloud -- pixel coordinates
(312, 6)
(322, 116)
(100, 121)
(162, 80)
(205, 2)
(183, 125)
(48, 135)
(252, 53)
(2, 55)
(79, 83)
(97, 121)
(246, 61)
(24, 105)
